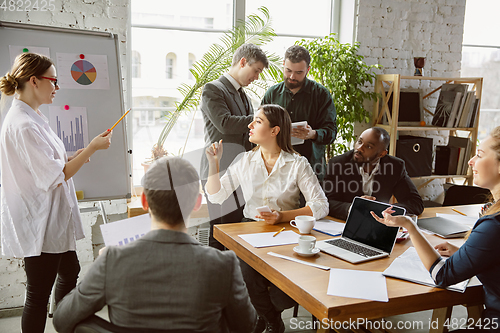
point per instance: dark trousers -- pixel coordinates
(268, 300)
(230, 211)
(41, 272)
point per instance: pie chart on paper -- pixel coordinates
(83, 72)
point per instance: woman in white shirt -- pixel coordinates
(272, 174)
(40, 219)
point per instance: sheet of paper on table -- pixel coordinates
(466, 220)
(409, 267)
(264, 239)
(357, 284)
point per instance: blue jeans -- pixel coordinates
(41, 272)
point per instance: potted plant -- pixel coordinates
(342, 70)
(215, 62)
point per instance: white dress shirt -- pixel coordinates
(279, 190)
(39, 209)
(368, 179)
(233, 81)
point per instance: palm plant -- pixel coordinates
(216, 61)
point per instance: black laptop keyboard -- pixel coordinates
(339, 242)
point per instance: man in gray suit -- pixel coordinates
(166, 279)
(227, 112)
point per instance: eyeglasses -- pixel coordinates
(50, 78)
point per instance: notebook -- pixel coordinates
(363, 237)
(443, 227)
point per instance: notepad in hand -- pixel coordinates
(443, 227)
(297, 141)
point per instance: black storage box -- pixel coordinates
(416, 151)
(446, 160)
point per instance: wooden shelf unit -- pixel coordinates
(392, 82)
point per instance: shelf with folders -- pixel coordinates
(388, 86)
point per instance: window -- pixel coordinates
(191, 61)
(170, 65)
(481, 58)
(136, 65)
(170, 36)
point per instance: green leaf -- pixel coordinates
(217, 60)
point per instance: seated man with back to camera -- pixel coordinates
(367, 171)
(166, 279)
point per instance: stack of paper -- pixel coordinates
(409, 267)
(329, 227)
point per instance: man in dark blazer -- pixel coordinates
(367, 171)
(166, 279)
(227, 112)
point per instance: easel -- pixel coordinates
(100, 208)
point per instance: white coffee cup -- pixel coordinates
(304, 223)
(307, 244)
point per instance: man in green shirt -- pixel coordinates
(307, 100)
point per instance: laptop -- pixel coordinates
(363, 237)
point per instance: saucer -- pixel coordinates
(310, 254)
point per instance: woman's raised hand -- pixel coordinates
(214, 151)
(393, 221)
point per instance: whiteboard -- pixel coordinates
(107, 175)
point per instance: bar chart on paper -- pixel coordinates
(129, 240)
(70, 126)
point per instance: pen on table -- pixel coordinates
(459, 212)
(110, 129)
(279, 232)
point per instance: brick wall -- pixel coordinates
(392, 32)
(109, 16)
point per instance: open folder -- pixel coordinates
(409, 267)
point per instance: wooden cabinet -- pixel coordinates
(388, 85)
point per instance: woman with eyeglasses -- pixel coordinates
(40, 220)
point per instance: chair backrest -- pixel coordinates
(466, 195)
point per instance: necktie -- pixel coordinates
(244, 100)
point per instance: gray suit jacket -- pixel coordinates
(225, 118)
(164, 280)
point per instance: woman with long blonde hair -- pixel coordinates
(480, 254)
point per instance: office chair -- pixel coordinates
(465, 195)
(95, 324)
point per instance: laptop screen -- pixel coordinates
(362, 227)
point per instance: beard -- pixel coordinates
(294, 84)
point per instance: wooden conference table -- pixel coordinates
(308, 285)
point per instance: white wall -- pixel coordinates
(110, 16)
(392, 32)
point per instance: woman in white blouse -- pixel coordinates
(40, 219)
(272, 174)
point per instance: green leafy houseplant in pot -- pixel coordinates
(216, 61)
(342, 70)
